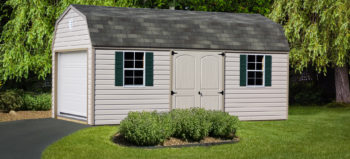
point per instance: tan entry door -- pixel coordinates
(197, 80)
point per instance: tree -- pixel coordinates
(238, 6)
(26, 38)
(5, 11)
(318, 34)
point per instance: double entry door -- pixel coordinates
(197, 80)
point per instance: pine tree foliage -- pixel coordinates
(317, 31)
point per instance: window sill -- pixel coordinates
(254, 86)
(134, 86)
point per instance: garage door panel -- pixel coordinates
(72, 84)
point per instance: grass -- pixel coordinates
(310, 132)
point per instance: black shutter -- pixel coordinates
(268, 70)
(243, 70)
(149, 69)
(119, 58)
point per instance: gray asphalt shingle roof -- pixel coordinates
(175, 29)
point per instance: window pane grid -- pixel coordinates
(255, 70)
(134, 68)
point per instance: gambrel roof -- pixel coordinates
(179, 29)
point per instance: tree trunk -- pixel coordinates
(342, 84)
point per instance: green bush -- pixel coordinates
(191, 124)
(11, 100)
(222, 124)
(146, 128)
(309, 93)
(166, 125)
(37, 101)
(337, 105)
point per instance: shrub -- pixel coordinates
(222, 124)
(146, 128)
(37, 102)
(190, 124)
(11, 100)
(151, 128)
(166, 125)
(337, 105)
(309, 93)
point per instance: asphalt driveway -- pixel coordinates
(28, 138)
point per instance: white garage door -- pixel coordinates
(72, 85)
(198, 80)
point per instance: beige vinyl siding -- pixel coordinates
(72, 39)
(257, 103)
(112, 103)
(75, 37)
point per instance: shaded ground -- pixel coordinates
(21, 115)
(175, 142)
(26, 139)
(309, 133)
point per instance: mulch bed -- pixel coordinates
(177, 143)
(21, 115)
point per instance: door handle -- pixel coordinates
(200, 93)
(222, 92)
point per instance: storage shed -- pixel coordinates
(108, 61)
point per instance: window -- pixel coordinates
(134, 68)
(255, 70)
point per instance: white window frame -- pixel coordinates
(135, 69)
(263, 71)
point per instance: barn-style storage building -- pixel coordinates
(108, 61)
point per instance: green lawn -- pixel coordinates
(310, 132)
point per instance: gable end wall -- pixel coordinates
(71, 34)
(76, 37)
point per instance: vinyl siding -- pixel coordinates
(257, 103)
(112, 103)
(72, 39)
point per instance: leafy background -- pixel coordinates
(27, 36)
